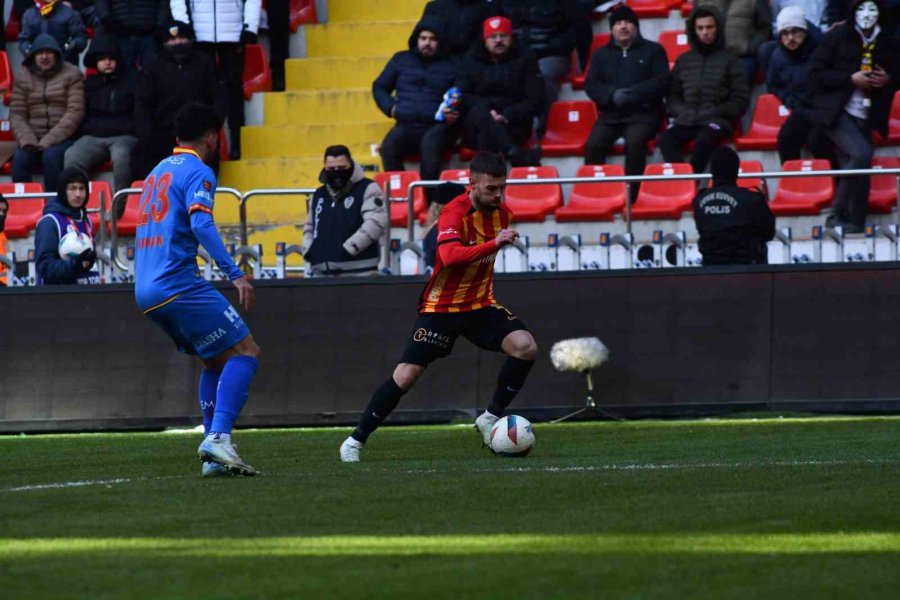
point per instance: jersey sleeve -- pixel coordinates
(449, 242)
(200, 191)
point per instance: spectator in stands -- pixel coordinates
(278, 13)
(179, 75)
(734, 223)
(223, 28)
(462, 21)
(628, 80)
(584, 31)
(46, 109)
(57, 19)
(502, 93)
(108, 127)
(708, 92)
(4, 250)
(345, 220)
(812, 28)
(814, 10)
(410, 90)
(836, 14)
(853, 76)
(136, 26)
(746, 25)
(64, 214)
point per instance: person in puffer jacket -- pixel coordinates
(57, 19)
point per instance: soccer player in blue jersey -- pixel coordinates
(176, 209)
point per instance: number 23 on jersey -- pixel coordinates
(155, 199)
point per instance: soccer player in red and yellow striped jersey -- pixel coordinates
(459, 301)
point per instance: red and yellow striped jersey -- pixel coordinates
(463, 277)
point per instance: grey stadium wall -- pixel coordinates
(682, 342)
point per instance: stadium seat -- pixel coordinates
(533, 202)
(893, 137)
(100, 195)
(12, 27)
(595, 201)
(257, 77)
(127, 225)
(568, 126)
(654, 8)
(601, 39)
(396, 186)
(457, 175)
(803, 195)
(24, 214)
(883, 190)
(752, 166)
(675, 43)
(665, 199)
(6, 78)
(768, 117)
(303, 12)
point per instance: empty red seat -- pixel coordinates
(665, 199)
(883, 188)
(675, 43)
(803, 195)
(601, 39)
(302, 12)
(257, 77)
(893, 125)
(23, 213)
(751, 166)
(533, 202)
(127, 225)
(568, 126)
(100, 195)
(654, 8)
(457, 175)
(595, 201)
(396, 186)
(6, 78)
(686, 9)
(768, 117)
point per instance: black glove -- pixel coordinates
(621, 97)
(248, 37)
(87, 259)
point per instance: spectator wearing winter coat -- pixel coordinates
(178, 76)
(107, 132)
(461, 20)
(136, 25)
(814, 10)
(4, 210)
(747, 24)
(56, 18)
(502, 93)
(627, 81)
(708, 92)
(853, 76)
(410, 90)
(46, 109)
(223, 28)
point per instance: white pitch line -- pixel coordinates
(83, 483)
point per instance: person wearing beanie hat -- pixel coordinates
(790, 17)
(734, 223)
(627, 80)
(57, 19)
(463, 22)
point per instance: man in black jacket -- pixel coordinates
(462, 21)
(852, 78)
(502, 92)
(627, 81)
(734, 223)
(108, 126)
(410, 90)
(708, 92)
(136, 26)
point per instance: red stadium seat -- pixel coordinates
(12, 27)
(533, 202)
(303, 12)
(803, 195)
(601, 39)
(257, 77)
(457, 175)
(595, 201)
(686, 9)
(768, 117)
(568, 126)
(751, 166)
(654, 8)
(24, 214)
(675, 43)
(100, 195)
(6, 78)
(893, 137)
(127, 225)
(883, 190)
(396, 186)
(665, 199)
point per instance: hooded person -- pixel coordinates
(734, 223)
(410, 90)
(46, 110)
(57, 19)
(346, 218)
(66, 215)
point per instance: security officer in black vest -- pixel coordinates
(345, 219)
(734, 223)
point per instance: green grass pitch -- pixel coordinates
(768, 508)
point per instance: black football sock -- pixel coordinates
(383, 401)
(509, 382)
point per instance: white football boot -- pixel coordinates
(222, 452)
(350, 450)
(211, 469)
(484, 424)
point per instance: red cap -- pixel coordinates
(497, 25)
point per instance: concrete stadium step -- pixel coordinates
(316, 106)
(284, 172)
(358, 39)
(339, 72)
(310, 139)
(345, 11)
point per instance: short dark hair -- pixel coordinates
(194, 120)
(337, 150)
(702, 13)
(488, 163)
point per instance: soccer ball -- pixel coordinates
(512, 436)
(74, 243)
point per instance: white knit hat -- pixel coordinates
(790, 17)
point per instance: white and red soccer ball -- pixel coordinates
(512, 436)
(73, 243)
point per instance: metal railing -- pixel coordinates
(267, 192)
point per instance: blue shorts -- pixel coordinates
(200, 322)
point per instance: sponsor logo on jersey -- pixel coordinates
(207, 185)
(430, 337)
(209, 339)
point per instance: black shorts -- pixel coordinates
(434, 333)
